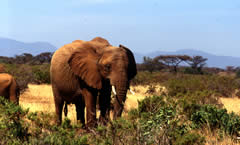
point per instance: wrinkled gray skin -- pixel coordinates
(82, 70)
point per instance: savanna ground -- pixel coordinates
(39, 98)
(189, 109)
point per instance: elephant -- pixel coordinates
(84, 70)
(9, 88)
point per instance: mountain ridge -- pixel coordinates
(11, 47)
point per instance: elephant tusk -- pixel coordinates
(132, 91)
(114, 91)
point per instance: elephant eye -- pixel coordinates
(107, 67)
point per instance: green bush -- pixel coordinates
(189, 84)
(157, 120)
(18, 126)
(146, 78)
(41, 73)
(13, 128)
(161, 122)
(238, 73)
(190, 139)
(25, 74)
(216, 118)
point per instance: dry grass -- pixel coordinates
(213, 139)
(231, 104)
(40, 98)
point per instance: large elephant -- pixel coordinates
(9, 88)
(84, 70)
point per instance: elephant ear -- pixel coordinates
(83, 63)
(132, 69)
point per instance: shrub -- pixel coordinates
(216, 118)
(18, 126)
(189, 84)
(25, 74)
(13, 129)
(22, 73)
(146, 78)
(238, 73)
(190, 138)
(41, 73)
(160, 122)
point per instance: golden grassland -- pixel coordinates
(40, 98)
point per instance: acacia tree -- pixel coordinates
(151, 65)
(197, 63)
(23, 58)
(172, 61)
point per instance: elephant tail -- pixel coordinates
(65, 109)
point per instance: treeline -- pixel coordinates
(182, 63)
(27, 68)
(27, 58)
(173, 62)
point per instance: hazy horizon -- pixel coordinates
(143, 26)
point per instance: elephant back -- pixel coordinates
(5, 80)
(60, 70)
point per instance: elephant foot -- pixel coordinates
(92, 124)
(58, 122)
(103, 120)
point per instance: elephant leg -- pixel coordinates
(58, 105)
(90, 97)
(104, 103)
(80, 106)
(13, 92)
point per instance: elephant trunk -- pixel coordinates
(121, 90)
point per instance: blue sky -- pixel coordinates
(143, 25)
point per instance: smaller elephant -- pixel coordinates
(9, 88)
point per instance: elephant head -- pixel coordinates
(97, 61)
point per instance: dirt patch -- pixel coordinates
(231, 104)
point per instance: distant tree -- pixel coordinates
(172, 61)
(151, 65)
(197, 63)
(42, 58)
(23, 58)
(230, 69)
(8, 60)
